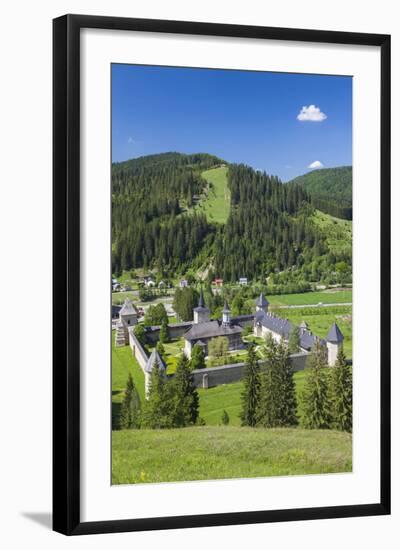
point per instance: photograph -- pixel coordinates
(231, 283)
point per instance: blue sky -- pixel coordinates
(278, 122)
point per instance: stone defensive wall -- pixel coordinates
(137, 349)
(175, 330)
(212, 376)
(228, 374)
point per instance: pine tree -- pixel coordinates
(288, 411)
(185, 396)
(160, 348)
(164, 336)
(315, 396)
(225, 418)
(341, 394)
(158, 408)
(294, 340)
(251, 390)
(130, 415)
(268, 412)
(140, 334)
(197, 360)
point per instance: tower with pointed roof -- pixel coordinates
(128, 317)
(201, 313)
(226, 315)
(154, 358)
(262, 303)
(334, 341)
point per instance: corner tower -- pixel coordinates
(334, 341)
(127, 317)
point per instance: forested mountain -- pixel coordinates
(158, 223)
(330, 190)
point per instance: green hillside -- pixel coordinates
(217, 202)
(175, 214)
(338, 233)
(216, 452)
(330, 189)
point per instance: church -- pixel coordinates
(203, 329)
(263, 322)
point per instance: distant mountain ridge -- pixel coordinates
(330, 190)
(170, 215)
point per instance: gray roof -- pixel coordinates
(334, 335)
(261, 301)
(275, 324)
(283, 328)
(154, 356)
(211, 329)
(308, 339)
(128, 308)
(200, 308)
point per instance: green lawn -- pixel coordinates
(119, 298)
(214, 452)
(217, 203)
(309, 298)
(172, 351)
(124, 363)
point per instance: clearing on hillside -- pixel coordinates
(338, 232)
(217, 203)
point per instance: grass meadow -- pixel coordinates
(216, 205)
(312, 298)
(214, 452)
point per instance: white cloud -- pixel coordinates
(311, 113)
(316, 164)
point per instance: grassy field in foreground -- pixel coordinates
(310, 298)
(213, 452)
(217, 204)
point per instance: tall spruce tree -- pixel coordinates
(140, 334)
(294, 340)
(315, 395)
(164, 335)
(130, 415)
(288, 412)
(251, 389)
(185, 396)
(341, 394)
(159, 407)
(197, 359)
(270, 402)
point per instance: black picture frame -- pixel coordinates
(66, 273)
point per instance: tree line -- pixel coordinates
(268, 398)
(269, 228)
(269, 395)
